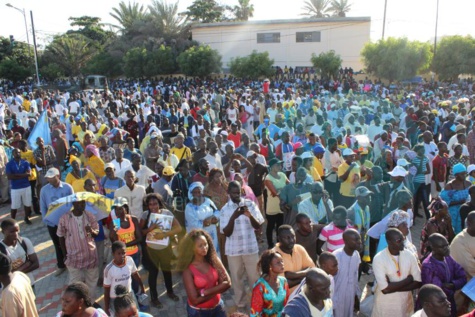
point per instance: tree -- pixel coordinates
(11, 69)
(199, 61)
(340, 7)
(327, 63)
(253, 66)
(126, 15)
(135, 62)
(205, 11)
(396, 58)
(51, 71)
(244, 10)
(161, 61)
(105, 64)
(72, 52)
(169, 23)
(455, 56)
(316, 8)
(91, 27)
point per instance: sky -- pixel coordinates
(414, 19)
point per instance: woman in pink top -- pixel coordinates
(204, 276)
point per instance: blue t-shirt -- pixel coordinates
(111, 185)
(13, 167)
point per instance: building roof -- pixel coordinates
(282, 21)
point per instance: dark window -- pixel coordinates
(268, 37)
(302, 37)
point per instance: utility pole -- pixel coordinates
(436, 23)
(35, 50)
(26, 25)
(384, 18)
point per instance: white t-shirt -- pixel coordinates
(119, 275)
(74, 107)
(18, 256)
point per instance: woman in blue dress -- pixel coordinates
(201, 213)
(455, 194)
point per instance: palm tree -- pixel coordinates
(244, 10)
(316, 8)
(167, 19)
(340, 7)
(72, 52)
(127, 15)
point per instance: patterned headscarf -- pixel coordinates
(436, 205)
(397, 218)
(93, 149)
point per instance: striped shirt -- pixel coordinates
(243, 239)
(333, 236)
(80, 246)
(421, 165)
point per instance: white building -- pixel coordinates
(289, 42)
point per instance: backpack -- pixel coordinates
(22, 242)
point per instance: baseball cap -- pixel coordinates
(460, 127)
(362, 191)
(52, 172)
(402, 162)
(224, 133)
(398, 171)
(168, 171)
(250, 153)
(306, 155)
(120, 201)
(348, 152)
(109, 165)
(318, 148)
(274, 161)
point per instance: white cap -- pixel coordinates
(52, 172)
(470, 168)
(348, 152)
(398, 171)
(402, 162)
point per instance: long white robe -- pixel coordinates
(346, 283)
(398, 304)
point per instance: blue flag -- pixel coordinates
(41, 129)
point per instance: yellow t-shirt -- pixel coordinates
(78, 183)
(317, 164)
(347, 188)
(297, 261)
(30, 158)
(183, 153)
(26, 105)
(75, 131)
(315, 175)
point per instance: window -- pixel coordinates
(268, 37)
(303, 37)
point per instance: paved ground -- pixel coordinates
(48, 287)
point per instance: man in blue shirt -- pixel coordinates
(18, 171)
(54, 190)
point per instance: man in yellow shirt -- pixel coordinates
(318, 151)
(349, 176)
(180, 150)
(28, 156)
(296, 259)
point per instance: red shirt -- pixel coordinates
(236, 138)
(439, 166)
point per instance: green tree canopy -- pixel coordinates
(169, 23)
(91, 28)
(205, 11)
(316, 8)
(243, 11)
(11, 69)
(128, 14)
(135, 62)
(253, 66)
(106, 64)
(396, 58)
(199, 61)
(339, 8)
(327, 63)
(455, 56)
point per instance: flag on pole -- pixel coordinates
(41, 129)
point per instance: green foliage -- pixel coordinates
(11, 69)
(327, 64)
(127, 15)
(455, 55)
(169, 23)
(316, 8)
(199, 61)
(135, 62)
(72, 52)
(253, 66)
(396, 58)
(51, 71)
(91, 28)
(339, 8)
(104, 64)
(161, 61)
(243, 11)
(140, 62)
(205, 11)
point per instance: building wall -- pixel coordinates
(346, 36)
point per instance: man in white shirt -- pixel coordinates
(74, 108)
(134, 194)
(121, 165)
(213, 157)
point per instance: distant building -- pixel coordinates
(289, 42)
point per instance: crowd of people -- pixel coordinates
(293, 188)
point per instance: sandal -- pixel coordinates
(173, 297)
(156, 303)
